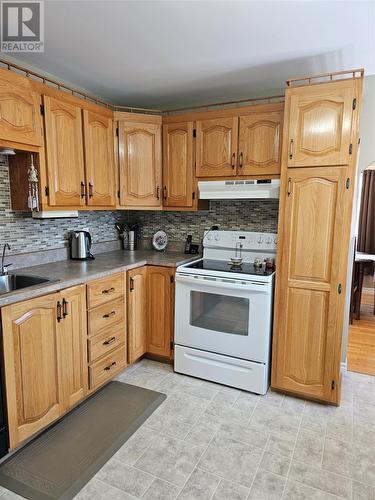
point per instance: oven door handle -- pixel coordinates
(250, 286)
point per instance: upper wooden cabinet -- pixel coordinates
(44, 353)
(20, 119)
(160, 300)
(99, 160)
(216, 147)
(320, 124)
(64, 153)
(137, 313)
(260, 143)
(140, 164)
(178, 165)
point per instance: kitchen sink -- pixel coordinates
(11, 282)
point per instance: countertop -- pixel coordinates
(66, 273)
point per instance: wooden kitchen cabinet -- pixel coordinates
(20, 117)
(216, 147)
(99, 159)
(313, 237)
(178, 165)
(320, 124)
(140, 164)
(44, 352)
(73, 328)
(64, 153)
(160, 299)
(137, 313)
(260, 143)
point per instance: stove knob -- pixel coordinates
(217, 237)
(260, 240)
(268, 240)
(209, 236)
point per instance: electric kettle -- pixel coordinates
(80, 244)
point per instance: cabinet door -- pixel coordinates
(20, 119)
(73, 334)
(137, 313)
(308, 328)
(32, 366)
(99, 160)
(160, 301)
(216, 147)
(178, 164)
(140, 164)
(64, 153)
(260, 143)
(320, 124)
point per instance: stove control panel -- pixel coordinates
(248, 240)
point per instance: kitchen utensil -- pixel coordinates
(80, 245)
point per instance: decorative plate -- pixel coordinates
(160, 240)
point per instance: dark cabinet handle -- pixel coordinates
(83, 189)
(65, 308)
(131, 284)
(234, 161)
(91, 187)
(289, 186)
(241, 159)
(108, 315)
(59, 309)
(110, 366)
(158, 193)
(165, 192)
(109, 341)
(291, 149)
(108, 290)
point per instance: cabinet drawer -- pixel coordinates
(103, 370)
(106, 341)
(105, 289)
(106, 315)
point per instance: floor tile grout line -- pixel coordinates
(291, 459)
(115, 487)
(258, 467)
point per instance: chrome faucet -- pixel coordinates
(4, 268)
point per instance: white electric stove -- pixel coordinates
(223, 315)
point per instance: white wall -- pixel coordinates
(366, 157)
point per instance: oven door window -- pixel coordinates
(219, 313)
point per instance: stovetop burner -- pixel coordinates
(228, 267)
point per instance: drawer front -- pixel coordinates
(106, 315)
(106, 289)
(106, 368)
(105, 342)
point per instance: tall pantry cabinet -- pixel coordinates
(318, 173)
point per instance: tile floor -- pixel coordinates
(208, 441)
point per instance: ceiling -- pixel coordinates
(165, 54)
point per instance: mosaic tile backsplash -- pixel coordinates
(25, 234)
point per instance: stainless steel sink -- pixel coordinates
(11, 282)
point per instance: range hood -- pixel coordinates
(239, 189)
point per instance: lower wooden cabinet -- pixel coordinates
(44, 359)
(160, 299)
(150, 311)
(137, 313)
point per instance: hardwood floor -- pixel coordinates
(361, 342)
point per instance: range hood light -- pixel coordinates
(239, 189)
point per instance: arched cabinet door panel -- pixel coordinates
(20, 117)
(216, 147)
(99, 159)
(260, 143)
(307, 332)
(64, 153)
(178, 164)
(320, 125)
(140, 164)
(32, 366)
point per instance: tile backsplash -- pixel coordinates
(25, 234)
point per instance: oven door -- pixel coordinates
(224, 316)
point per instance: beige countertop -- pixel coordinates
(66, 273)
